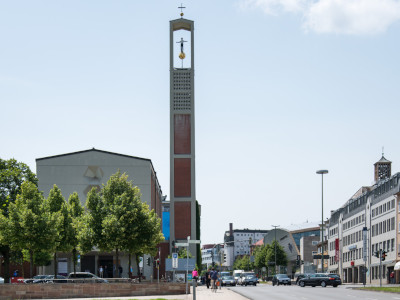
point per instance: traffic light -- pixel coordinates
(148, 261)
(224, 257)
(376, 254)
(302, 262)
(158, 263)
(383, 255)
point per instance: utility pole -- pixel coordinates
(275, 226)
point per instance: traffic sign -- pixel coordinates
(175, 260)
(181, 244)
(194, 241)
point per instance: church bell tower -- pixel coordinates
(182, 132)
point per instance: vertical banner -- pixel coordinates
(336, 250)
(365, 231)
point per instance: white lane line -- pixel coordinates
(373, 298)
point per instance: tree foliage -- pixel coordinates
(32, 226)
(12, 175)
(281, 257)
(118, 220)
(243, 263)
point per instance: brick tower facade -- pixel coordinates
(182, 133)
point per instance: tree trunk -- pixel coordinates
(55, 264)
(31, 263)
(116, 263)
(138, 269)
(74, 259)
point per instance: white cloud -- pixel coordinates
(274, 7)
(355, 17)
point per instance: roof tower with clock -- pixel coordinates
(383, 169)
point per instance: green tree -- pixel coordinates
(243, 263)
(12, 175)
(57, 205)
(118, 220)
(32, 226)
(281, 257)
(76, 212)
(148, 234)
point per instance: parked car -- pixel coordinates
(50, 279)
(228, 280)
(281, 279)
(85, 277)
(36, 277)
(250, 279)
(320, 279)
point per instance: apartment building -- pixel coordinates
(364, 225)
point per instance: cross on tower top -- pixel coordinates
(181, 7)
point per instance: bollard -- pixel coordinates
(194, 289)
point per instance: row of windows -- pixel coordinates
(383, 227)
(385, 245)
(383, 208)
(375, 272)
(353, 222)
(353, 255)
(352, 238)
(333, 231)
(332, 261)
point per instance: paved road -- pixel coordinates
(268, 292)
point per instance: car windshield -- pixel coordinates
(228, 277)
(282, 276)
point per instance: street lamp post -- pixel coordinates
(322, 172)
(275, 226)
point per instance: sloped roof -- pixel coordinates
(93, 149)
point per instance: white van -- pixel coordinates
(236, 274)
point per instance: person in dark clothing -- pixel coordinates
(208, 279)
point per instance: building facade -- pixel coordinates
(80, 172)
(182, 133)
(364, 225)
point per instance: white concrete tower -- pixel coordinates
(182, 132)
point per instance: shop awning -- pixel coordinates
(397, 266)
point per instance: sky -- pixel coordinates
(283, 88)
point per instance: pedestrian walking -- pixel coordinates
(101, 271)
(195, 275)
(214, 278)
(392, 280)
(208, 279)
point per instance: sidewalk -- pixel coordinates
(202, 293)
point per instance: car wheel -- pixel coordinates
(273, 283)
(313, 285)
(323, 284)
(335, 285)
(255, 284)
(302, 284)
(289, 283)
(277, 283)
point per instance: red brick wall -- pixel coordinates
(153, 194)
(182, 220)
(182, 180)
(182, 134)
(88, 290)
